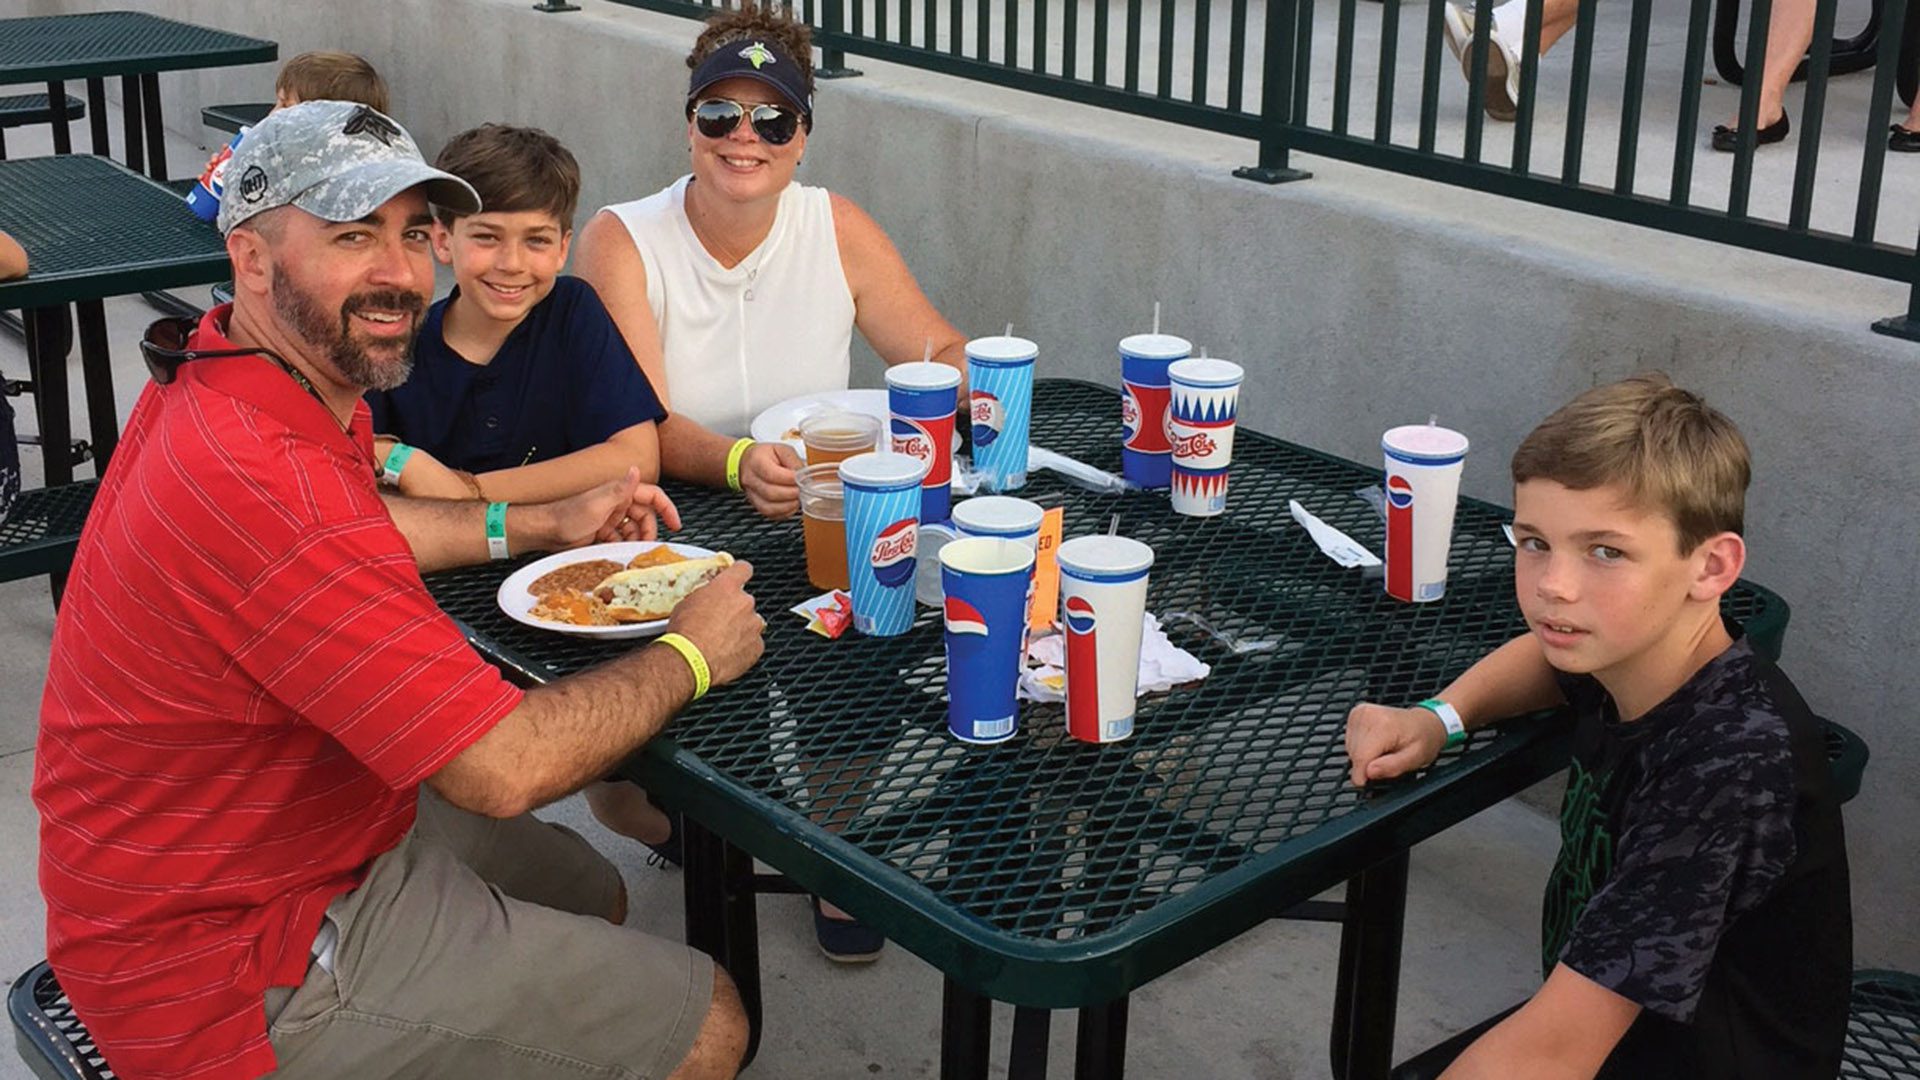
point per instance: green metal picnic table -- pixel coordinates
(92, 229)
(131, 44)
(1053, 874)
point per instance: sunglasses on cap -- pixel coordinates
(775, 124)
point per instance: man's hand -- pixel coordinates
(720, 620)
(1384, 742)
(623, 509)
(766, 475)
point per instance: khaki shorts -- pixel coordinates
(477, 948)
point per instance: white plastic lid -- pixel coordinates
(1208, 371)
(923, 375)
(999, 514)
(883, 470)
(1156, 346)
(1103, 556)
(1424, 442)
(1002, 349)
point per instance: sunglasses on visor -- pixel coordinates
(775, 124)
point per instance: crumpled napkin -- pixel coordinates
(1163, 665)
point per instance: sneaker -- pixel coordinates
(845, 941)
(1501, 94)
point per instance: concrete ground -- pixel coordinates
(1257, 1009)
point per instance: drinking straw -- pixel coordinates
(1156, 316)
(1009, 332)
(928, 357)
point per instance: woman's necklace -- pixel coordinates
(709, 238)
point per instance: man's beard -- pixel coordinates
(356, 361)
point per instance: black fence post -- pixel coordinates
(1276, 97)
(551, 6)
(833, 62)
(1906, 326)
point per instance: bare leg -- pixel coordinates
(1556, 18)
(625, 808)
(1789, 33)
(722, 1042)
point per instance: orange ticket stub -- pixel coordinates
(1046, 572)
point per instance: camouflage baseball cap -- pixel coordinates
(337, 160)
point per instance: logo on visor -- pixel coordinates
(253, 184)
(758, 55)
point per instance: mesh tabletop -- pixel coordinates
(42, 528)
(94, 229)
(1883, 1027)
(1050, 872)
(46, 47)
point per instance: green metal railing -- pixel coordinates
(1169, 74)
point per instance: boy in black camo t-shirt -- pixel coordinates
(1696, 923)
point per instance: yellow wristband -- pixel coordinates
(734, 455)
(702, 678)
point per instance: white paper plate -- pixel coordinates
(775, 424)
(517, 602)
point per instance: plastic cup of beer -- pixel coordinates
(823, 525)
(1103, 604)
(1423, 488)
(836, 436)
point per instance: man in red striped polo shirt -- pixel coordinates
(284, 808)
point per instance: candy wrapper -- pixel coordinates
(828, 614)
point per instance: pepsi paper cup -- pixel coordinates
(1000, 385)
(882, 494)
(1103, 602)
(986, 617)
(921, 399)
(1146, 457)
(1202, 406)
(1423, 486)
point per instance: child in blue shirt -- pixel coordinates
(522, 388)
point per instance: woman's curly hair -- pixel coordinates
(758, 20)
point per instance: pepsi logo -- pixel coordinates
(988, 418)
(964, 618)
(892, 556)
(1399, 492)
(912, 439)
(1197, 445)
(1129, 412)
(1080, 619)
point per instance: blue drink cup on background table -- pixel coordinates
(1000, 389)
(985, 579)
(921, 401)
(882, 500)
(1146, 454)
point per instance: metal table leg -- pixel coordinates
(1101, 1047)
(966, 1031)
(1028, 1060)
(96, 367)
(97, 119)
(156, 128)
(1367, 994)
(57, 107)
(130, 112)
(48, 340)
(722, 914)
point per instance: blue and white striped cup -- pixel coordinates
(883, 519)
(1000, 389)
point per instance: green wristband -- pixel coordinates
(1449, 718)
(396, 462)
(497, 531)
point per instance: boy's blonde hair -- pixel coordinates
(1671, 451)
(324, 75)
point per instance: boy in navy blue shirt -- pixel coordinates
(522, 388)
(1696, 924)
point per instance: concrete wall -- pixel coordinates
(1357, 300)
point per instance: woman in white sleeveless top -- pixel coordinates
(736, 287)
